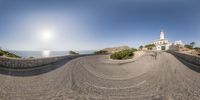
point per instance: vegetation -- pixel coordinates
(8, 54)
(1, 54)
(133, 49)
(73, 53)
(100, 52)
(190, 46)
(141, 47)
(197, 49)
(124, 54)
(150, 46)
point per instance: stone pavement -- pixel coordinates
(155, 76)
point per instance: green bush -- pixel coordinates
(100, 52)
(1, 54)
(150, 46)
(73, 53)
(133, 49)
(188, 46)
(124, 54)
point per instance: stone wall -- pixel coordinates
(191, 58)
(28, 63)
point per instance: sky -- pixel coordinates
(95, 24)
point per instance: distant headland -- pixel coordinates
(8, 54)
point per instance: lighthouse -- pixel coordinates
(162, 35)
(162, 43)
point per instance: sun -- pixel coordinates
(47, 34)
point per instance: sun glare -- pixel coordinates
(47, 35)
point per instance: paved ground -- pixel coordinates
(157, 76)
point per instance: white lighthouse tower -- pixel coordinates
(162, 35)
(162, 43)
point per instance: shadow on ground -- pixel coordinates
(190, 65)
(36, 70)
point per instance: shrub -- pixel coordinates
(124, 54)
(12, 55)
(73, 53)
(197, 49)
(133, 49)
(100, 52)
(1, 54)
(188, 46)
(150, 46)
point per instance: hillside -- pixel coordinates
(116, 49)
(8, 54)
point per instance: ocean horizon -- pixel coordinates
(46, 53)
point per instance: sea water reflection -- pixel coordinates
(46, 53)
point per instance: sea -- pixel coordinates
(46, 53)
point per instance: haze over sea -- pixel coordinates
(47, 53)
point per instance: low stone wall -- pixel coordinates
(191, 58)
(28, 63)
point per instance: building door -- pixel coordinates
(162, 47)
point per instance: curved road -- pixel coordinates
(157, 76)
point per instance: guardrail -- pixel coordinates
(191, 58)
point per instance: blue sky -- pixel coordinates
(95, 24)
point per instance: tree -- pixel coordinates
(141, 47)
(192, 44)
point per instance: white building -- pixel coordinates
(162, 43)
(178, 43)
